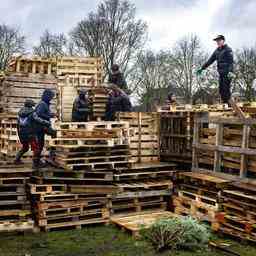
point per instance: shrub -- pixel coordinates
(177, 233)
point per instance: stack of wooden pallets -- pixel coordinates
(55, 208)
(76, 73)
(144, 135)
(238, 217)
(176, 136)
(15, 209)
(225, 144)
(142, 187)
(77, 191)
(26, 79)
(198, 194)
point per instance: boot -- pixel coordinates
(35, 165)
(17, 160)
(38, 164)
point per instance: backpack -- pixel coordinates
(24, 121)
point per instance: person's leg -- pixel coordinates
(224, 88)
(40, 140)
(24, 149)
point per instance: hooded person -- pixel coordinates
(118, 101)
(116, 77)
(42, 111)
(26, 130)
(81, 110)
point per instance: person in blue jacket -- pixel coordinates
(27, 118)
(42, 110)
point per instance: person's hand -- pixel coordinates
(199, 72)
(231, 75)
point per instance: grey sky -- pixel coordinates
(168, 20)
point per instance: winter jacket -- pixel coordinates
(43, 109)
(80, 109)
(117, 103)
(119, 80)
(27, 120)
(224, 58)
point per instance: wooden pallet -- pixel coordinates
(196, 209)
(94, 189)
(147, 185)
(86, 216)
(17, 226)
(143, 175)
(239, 224)
(98, 166)
(64, 175)
(138, 221)
(144, 135)
(221, 146)
(35, 189)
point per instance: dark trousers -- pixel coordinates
(224, 87)
(33, 143)
(41, 141)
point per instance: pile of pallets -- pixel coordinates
(79, 71)
(75, 73)
(142, 187)
(98, 97)
(144, 135)
(176, 136)
(76, 192)
(238, 217)
(55, 208)
(225, 144)
(27, 78)
(198, 195)
(15, 209)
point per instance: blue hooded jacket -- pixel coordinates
(43, 107)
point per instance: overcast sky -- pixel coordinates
(168, 20)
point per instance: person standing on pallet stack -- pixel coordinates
(43, 112)
(26, 130)
(81, 108)
(224, 57)
(117, 77)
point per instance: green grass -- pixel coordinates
(92, 241)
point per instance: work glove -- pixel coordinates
(199, 72)
(231, 75)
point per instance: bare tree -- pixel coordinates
(186, 57)
(11, 42)
(246, 71)
(112, 32)
(51, 45)
(150, 78)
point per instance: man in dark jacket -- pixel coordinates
(26, 130)
(117, 78)
(81, 110)
(43, 112)
(224, 57)
(118, 101)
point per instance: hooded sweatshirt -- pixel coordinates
(43, 108)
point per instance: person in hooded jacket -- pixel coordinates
(118, 101)
(42, 110)
(81, 110)
(117, 78)
(26, 130)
